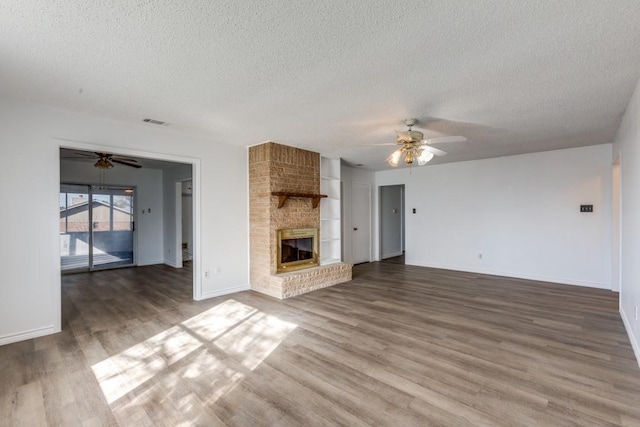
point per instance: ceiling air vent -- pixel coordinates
(155, 122)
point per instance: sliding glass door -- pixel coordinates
(75, 236)
(112, 227)
(96, 227)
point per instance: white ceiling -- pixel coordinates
(327, 75)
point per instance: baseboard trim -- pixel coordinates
(520, 276)
(27, 335)
(632, 338)
(227, 291)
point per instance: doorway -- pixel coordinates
(392, 222)
(187, 220)
(154, 219)
(96, 227)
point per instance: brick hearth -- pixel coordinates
(276, 167)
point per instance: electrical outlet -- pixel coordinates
(206, 274)
(479, 256)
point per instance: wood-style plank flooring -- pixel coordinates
(398, 346)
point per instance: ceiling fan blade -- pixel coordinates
(379, 144)
(434, 150)
(85, 155)
(445, 139)
(124, 159)
(126, 164)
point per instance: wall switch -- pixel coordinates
(586, 208)
(218, 271)
(636, 311)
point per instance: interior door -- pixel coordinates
(361, 222)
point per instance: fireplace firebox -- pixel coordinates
(297, 249)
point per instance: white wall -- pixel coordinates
(347, 176)
(148, 195)
(390, 221)
(627, 146)
(29, 179)
(520, 212)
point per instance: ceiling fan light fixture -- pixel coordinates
(414, 148)
(394, 158)
(424, 158)
(409, 156)
(103, 163)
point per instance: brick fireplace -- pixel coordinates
(277, 168)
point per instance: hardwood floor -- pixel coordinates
(399, 345)
(395, 260)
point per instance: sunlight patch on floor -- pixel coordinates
(253, 340)
(231, 329)
(209, 324)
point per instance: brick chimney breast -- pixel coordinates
(274, 167)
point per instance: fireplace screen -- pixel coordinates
(297, 249)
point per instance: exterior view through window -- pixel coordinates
(96, 227)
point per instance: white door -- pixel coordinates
(360, 222)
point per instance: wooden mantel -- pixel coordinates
(283, 195)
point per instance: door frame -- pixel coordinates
(196, 197)
(616, 225)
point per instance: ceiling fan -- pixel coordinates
(107, 160)
(415, 148)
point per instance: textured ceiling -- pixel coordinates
(511, 76)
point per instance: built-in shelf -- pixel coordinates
(330, 224)
(284, 195)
